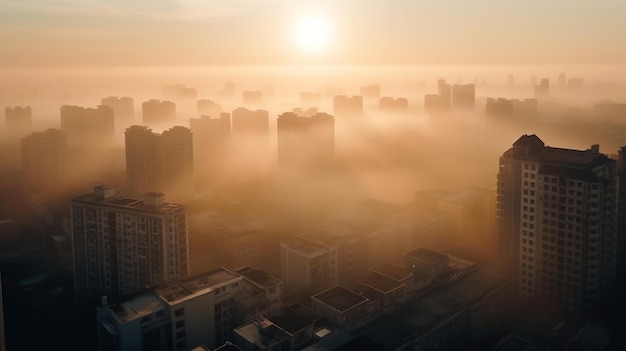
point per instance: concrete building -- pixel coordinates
(158, 114)
(306, 143)
(160, 162)
(341, 306)
(557, 221)
(247, 123)
(210, 108)
(173, 317)
(542, 90)
(93, 127)
(499, 107)
(211, 141)
(322, 257)
(45, 159)
(123, 245)
(18, 122)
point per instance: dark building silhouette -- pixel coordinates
(157, 113)
(160, 162)
(18, 122)
(347, 106)
(499, 107)
(440, 102)
(463, 96)
(306, 143)
(123, 108)
(621, 215)
(557, 221)
(92, 127)
(45, 159)
(125, 245)
(393, 105)
(445, 93)
(184, 97)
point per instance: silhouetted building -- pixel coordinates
(444, 90)
(157, 113)
(92, 127)
(499, 107)
(184, 97)
(45, 159)
(393, 105)
(557, 221)
(525, 108)
(123, 245)
(123, 108)
(347, 106)
(160, 162)
(18, 122)
(306, 143)
(621, 215)
(248, 122)
(463, 96)
(209, 108)
(543, 89)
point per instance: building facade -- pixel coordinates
(557, 221)
(123, 245)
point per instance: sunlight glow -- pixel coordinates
(313, 33)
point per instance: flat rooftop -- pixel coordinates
(258, 276)
(332, 234)
(304, 247)
(340, 298)
(293, 319)
(261, 332)
(137, 307)
(397, 273)
(426, 255)
(381, 282)
(208, 279)
(125, 203)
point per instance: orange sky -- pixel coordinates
(213, 32)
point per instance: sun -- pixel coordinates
(313, 34)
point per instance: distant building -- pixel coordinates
(123, 245)
(347, 106)
(370, 92)
(157, 113)
(341, 306)
(252, 97)
(210, 108)
(444, 90)
(310, 99)
(160, 162)
(45, 159)
(393, 105)
(250, 123)
(93, 127)
(499, 107)
(123, 108)
(18, 122)
(463, 96)
(184, 97)
(557, 221)
(306, 143)
(211, 141)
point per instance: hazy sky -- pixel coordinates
(214, 32)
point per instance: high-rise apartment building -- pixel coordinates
(45, 159)
(557, 221)
(347, 105)
(160, 162)
(93, 127)
(306, 142)
(157, 113)
(123, 108)
(124, 245)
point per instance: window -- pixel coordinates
(179, 312)
(180, 334)
(180, 324)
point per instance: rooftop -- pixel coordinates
(293, 320)
(397, 273)
(137, 307)
(261, 332)
(258, 276)
(381, 282)
(208, 279)
(427, 256)
(332, 234)
(340, 298)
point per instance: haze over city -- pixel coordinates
(298, 175)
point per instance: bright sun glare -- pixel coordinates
(313, 33)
